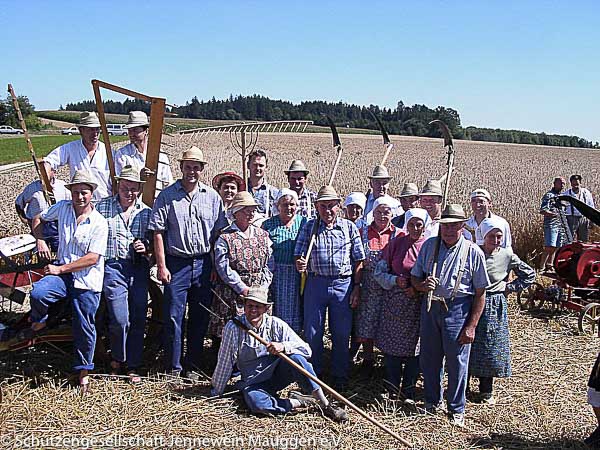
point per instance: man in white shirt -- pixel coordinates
(87, 154)
(579, 224)
(430, 199)
(481, 203)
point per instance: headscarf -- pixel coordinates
(356, 198)
(384, 200)
(285, 192)
(419, 213)
(489, 224)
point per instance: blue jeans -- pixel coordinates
(126, 294)
(439, 341)
(322, 293)
(190, 285)
(53, 288)
(553, 236)
(262, 398)
(402, 368)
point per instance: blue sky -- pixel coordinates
(532, 65)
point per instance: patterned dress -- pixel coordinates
(372, 295)
(248, 257)
(285, 289)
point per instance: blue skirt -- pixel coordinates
(490, 351)
(285, 295)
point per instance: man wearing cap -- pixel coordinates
(430, 199)
(297, 174)
(409, 199)
(135, 153)
(264, 194)
(186, 218)
(87, 154)
(481, 202)
(578, 223)
(379, 182)
(448, 330)
(263, 373)
(554, 229)
(336, 257)
(126, 271)
(78, 276)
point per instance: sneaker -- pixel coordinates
(335, 413)
(457, 419)
(410, 406)
(435, 409)
(593, 440)
(305, 400)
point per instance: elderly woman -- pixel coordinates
(243, 258)
(283, 230)
(227, 184)
(354, 206)
(375, 238)
(398, 332)
(490, 351)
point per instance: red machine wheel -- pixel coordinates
(531, 298)
(589, 318)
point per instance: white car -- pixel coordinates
(5, 129)
(70, 131)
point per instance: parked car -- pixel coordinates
(5, 129)
(116, 130)
(70, 131)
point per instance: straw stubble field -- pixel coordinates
(541, 406)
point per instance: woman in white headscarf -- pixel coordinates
(490, 351)
(354, 207)
(398, 332)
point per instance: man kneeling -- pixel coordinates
(264, 374)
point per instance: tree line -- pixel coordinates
(403, 120)
(8, 114)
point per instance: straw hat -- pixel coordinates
(82, 177)
(257, 294)
(241, 200)
(481, 193)
(409, 190)
(89, 119)
(327, 193)
(193, 154)
(453, 213)
(380, 172)
(216, 181)
(137, 119)
(296, 166)
(130, 174)
(432, 187)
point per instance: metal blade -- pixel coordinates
(336, 137)
(591, 213)
(445, 132)
(386, 138)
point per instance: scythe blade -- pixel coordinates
(445, 132)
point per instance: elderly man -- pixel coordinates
(481, 203)
(379, 182)
(87, 154)
(554, 228)
(337, 255)
(448, 330)
(264, 194)
(78, 276)
(134, 154)
(409, 199)
(297, 174)
(126, 271)
(185, 219)
(578, 223)
(263, 373)
(430, 199)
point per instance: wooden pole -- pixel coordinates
(157, 115)
(105, 135)
(244, 169)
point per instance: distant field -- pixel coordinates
(15, 150)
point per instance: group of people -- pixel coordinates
(425, 285)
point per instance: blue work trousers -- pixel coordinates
(84, 303)
(126, 293)
(190, 285)
(439, 341)
(261, 398)
(333, 294)
(405, 369)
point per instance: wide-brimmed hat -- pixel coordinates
(193, 154)
(327, 193)
(88, 119)
(241, 200)
(481, 193)
(216, 181)
(296, 166)
(258, 294)
(356, 198)
(453, 213)
(82, 177)
(380, 172)
(409, 190)
(129, 173)
(432, 187)
(137, 119)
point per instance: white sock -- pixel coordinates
(320, 395)
(295, 403)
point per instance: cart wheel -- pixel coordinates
(531, 298)
(588, 318)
